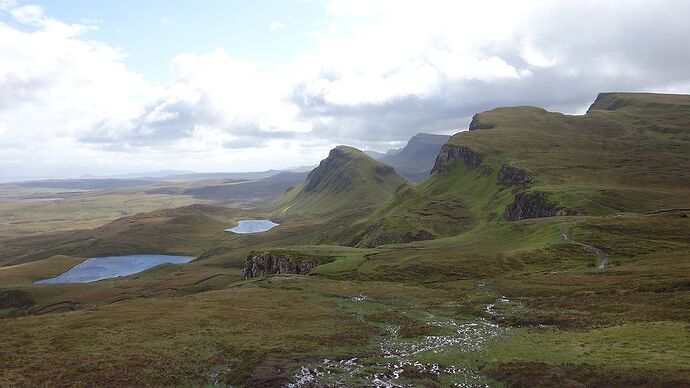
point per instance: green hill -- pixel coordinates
(629, 153)
(348, 180)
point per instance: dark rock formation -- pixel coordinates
(15, 299)
(269, 264)
(508, 176)
(451, 152)
(476, 123)
(534, 205)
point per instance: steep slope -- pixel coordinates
(633, 156)
(415, 160)
(347, 180)
(629, 153)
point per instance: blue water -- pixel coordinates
(99, 268)
(253, 226)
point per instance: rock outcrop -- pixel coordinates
(609, 101)
(450, 153)
(511, 176)
(476, 123)
(534, 205)
(265, 264)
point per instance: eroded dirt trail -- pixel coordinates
(603, 255)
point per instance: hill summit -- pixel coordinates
(347, 179)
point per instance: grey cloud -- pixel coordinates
(631, 46)
(628, 47)
(15, 90)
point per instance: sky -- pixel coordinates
(91, 87)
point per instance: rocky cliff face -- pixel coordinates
(269, 264)
(476, 123)
(509, 176)
(608, 101)
(450, 153)
(534, 205)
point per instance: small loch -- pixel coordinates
(252, 226)
(99, 268)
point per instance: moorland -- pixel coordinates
(534, 249)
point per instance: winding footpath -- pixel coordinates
(603, 255)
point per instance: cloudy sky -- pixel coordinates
(109, 87)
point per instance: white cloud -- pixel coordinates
(383, 71)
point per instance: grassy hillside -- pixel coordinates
(525, 162)
(604, 162)
(348, 180)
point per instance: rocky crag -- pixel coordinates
(265, 264)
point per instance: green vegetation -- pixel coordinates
(347, 181)
(481, 274)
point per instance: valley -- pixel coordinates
(533, 249)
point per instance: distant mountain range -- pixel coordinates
(415, 160)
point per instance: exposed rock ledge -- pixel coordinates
(534, 205)
(265, 264)
(450, 153)
(508, 176)
(476, 123)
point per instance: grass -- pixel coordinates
(653, 346)
(179, 340)
(79, 209)
(347, 179)
(551, 317)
